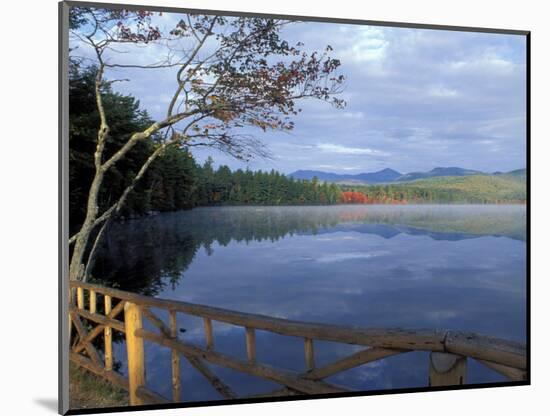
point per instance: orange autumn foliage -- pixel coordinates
(350, 197)
(353, 197)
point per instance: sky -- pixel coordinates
(416, 99)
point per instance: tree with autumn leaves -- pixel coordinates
(360, 197)
(352, 197)
(229, 73)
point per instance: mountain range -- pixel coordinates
(390, 175)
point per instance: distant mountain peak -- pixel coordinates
(381, 176)
(388, 175)
(389, 170)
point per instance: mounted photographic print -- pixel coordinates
(266, 208)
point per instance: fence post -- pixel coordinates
(251, 344)
(447, 369)
(93, 301)
(209, 334)
(72, 292)
(80, 297)
(134, 346)
(310, 358)
(108, 336)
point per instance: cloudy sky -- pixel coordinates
(416, 99)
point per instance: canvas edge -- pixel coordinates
(63, 201)
(320, 19)
(528, 194)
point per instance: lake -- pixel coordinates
(444, 267)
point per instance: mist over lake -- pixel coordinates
(426, 266)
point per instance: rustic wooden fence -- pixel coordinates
(447, 363)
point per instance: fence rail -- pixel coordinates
(447, 365)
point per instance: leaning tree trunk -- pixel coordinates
(115, 210)
(77, 264)
(76, 267)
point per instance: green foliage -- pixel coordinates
(125, 117)
(169, 181)
(246, 187)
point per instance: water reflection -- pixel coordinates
(145, 255)
(448, 267)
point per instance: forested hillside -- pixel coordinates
(503, 188)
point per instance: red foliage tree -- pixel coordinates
(351, 197)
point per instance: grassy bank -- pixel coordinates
(87, 390)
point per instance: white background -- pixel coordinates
(28, 217)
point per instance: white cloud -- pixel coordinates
(339, 257)
(332, 167)
(353, 115)
(489, 62)
(442, 92)
(369, 45)
(340, 149)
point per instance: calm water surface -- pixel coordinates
(446, 267)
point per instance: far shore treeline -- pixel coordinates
(176, 181)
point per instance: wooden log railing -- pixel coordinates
(449, 350)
